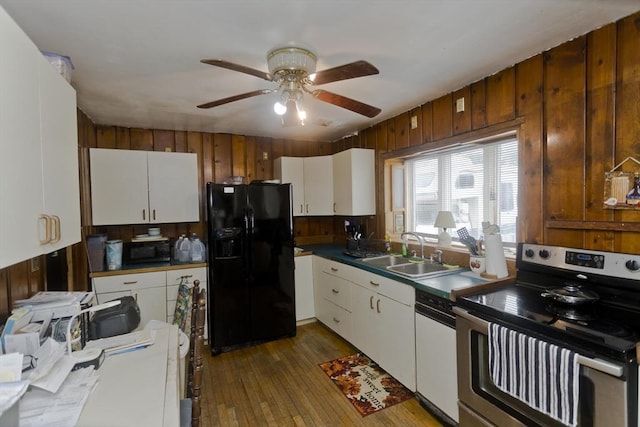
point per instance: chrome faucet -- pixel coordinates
(437, 255)
(418, 237)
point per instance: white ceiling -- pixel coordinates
(137, 62)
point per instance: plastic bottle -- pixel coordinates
(183, 250)
(197, 250)
(387, 243)
(176, 248)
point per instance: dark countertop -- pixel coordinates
(447, 286)
(147, 268)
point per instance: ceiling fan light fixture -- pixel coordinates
(291, 58)
(279, 108)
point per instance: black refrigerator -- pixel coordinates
(251, 296)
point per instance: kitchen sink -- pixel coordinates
(384, 261)
(404, 267)
(420, 270)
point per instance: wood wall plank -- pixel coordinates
(402, 128)
(564, 162)
(478, 104)
(427, 122)
(461, 120)
(501, 105)
(627, 109)
(529, 81)
(415, 135)
(601, 66)
(442, 117)
(222, 157)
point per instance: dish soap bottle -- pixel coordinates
(387, 243)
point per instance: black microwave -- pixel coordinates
(147, 252)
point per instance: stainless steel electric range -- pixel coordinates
(585, 301)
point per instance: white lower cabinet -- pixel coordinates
(304, 288)
(155, 292)
(437, 377)
(383, 324)
(374, 313)
(332, 296)
(174, 278)
(148, 289)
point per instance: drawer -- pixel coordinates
(336, 318)
(336, 290)
(129, 281)
(199, 273)
(390, 288)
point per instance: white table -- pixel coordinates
(139, 388)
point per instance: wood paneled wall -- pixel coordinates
(577, 108)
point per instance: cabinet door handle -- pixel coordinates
(334, 208)
(378, 306)
(335, 291)
(374, 283)
(301, 209)
(144, 214)
(133, 282)
(336, 320)
(307, 205)
(371, 302)
(47, 229)
(154, 214)
(55, 220)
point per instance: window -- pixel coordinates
(476, 182)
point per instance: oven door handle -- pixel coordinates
(482, 326)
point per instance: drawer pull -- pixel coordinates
(130, 283)
(334, 269)
(374, 283)
(335, 291)
(378, 306)
(336, 320)
(371, 302)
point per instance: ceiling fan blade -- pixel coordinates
(237, 67)
(348, 103)
(343, 72)
(236, 98)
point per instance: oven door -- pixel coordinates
(608, 395)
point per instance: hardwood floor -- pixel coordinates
(280, 384)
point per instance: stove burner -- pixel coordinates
(586, 321)
(570, 312)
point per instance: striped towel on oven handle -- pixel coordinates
(542, 375)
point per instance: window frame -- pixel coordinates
(491, 135)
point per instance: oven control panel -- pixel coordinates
(584, 259)
(625, 266)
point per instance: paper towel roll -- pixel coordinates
(496, 262)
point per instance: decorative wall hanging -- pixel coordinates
(622, 187)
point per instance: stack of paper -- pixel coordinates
(123, 343)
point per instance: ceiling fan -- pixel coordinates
(292, 69)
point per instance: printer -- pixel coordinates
(120, 319)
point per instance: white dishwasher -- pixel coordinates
(436, 374)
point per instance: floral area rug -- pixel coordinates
(365, 384)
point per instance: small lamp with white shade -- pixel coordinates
(91, 356)
(444, 220)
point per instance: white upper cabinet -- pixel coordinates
(318, 185)
(311, 183)
(137, 187)
(173, 187)
(354, 182)
(39, 182)
(59, 135)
